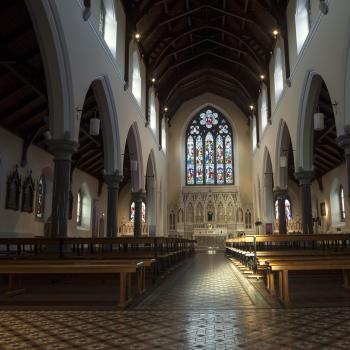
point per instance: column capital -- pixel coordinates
(113, 180)
(138, 195)
(304, 176)
(62, 148)
(344, 142)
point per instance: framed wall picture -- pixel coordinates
(323, 208)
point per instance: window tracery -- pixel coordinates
(209, 150)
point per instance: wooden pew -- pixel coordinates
(303, 264)
(40, 267)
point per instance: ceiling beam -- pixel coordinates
(177, 36)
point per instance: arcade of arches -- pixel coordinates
(174, 119)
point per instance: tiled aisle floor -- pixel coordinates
(199, 314)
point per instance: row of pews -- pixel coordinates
(130, 258)
(276, 255)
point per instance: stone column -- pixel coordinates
(305, 178)
(112, 181)
(138, 198)
(281, 196)
(62, 151)
(344, 142)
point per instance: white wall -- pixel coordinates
(325, 51)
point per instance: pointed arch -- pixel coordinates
(151, 193)
(49, 32)
(135, 151)
(268, 198)
(283, 145)
(110, 130)
(234, 140)
(308, 102)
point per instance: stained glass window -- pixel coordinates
(79, 208)
(287, 207)
(209, 159)
(132, 212)
(40, 199)
(342, 203)
(209, 150)
(199, 160)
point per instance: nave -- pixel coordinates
(205, 304)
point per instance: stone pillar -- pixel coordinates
(281, 196)
(112, 181)
(62, 151)
(344, 142)
(305, 178)
(138, 198)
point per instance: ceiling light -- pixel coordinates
(251, 107)
(153, 80)
(165, 109)
(262, 76)
(275, 32)
(137, 36)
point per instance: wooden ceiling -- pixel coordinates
(196, 46)
(188, 52)
(23, 95)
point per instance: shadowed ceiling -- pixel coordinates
(220, 46)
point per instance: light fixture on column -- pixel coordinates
(318, 120)
(133, 165)
(94, 125)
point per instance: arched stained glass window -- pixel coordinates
(209, 150)
(136, 84)
(278, 75)
(79, 208)
(153, 113)
(302, 22)
(263, 108)
(143, 212)
(341, 203)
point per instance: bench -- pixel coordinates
(303, 264)
(124, 269)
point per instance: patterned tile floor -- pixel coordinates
(190, 310)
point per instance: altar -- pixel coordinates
(202, 211)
